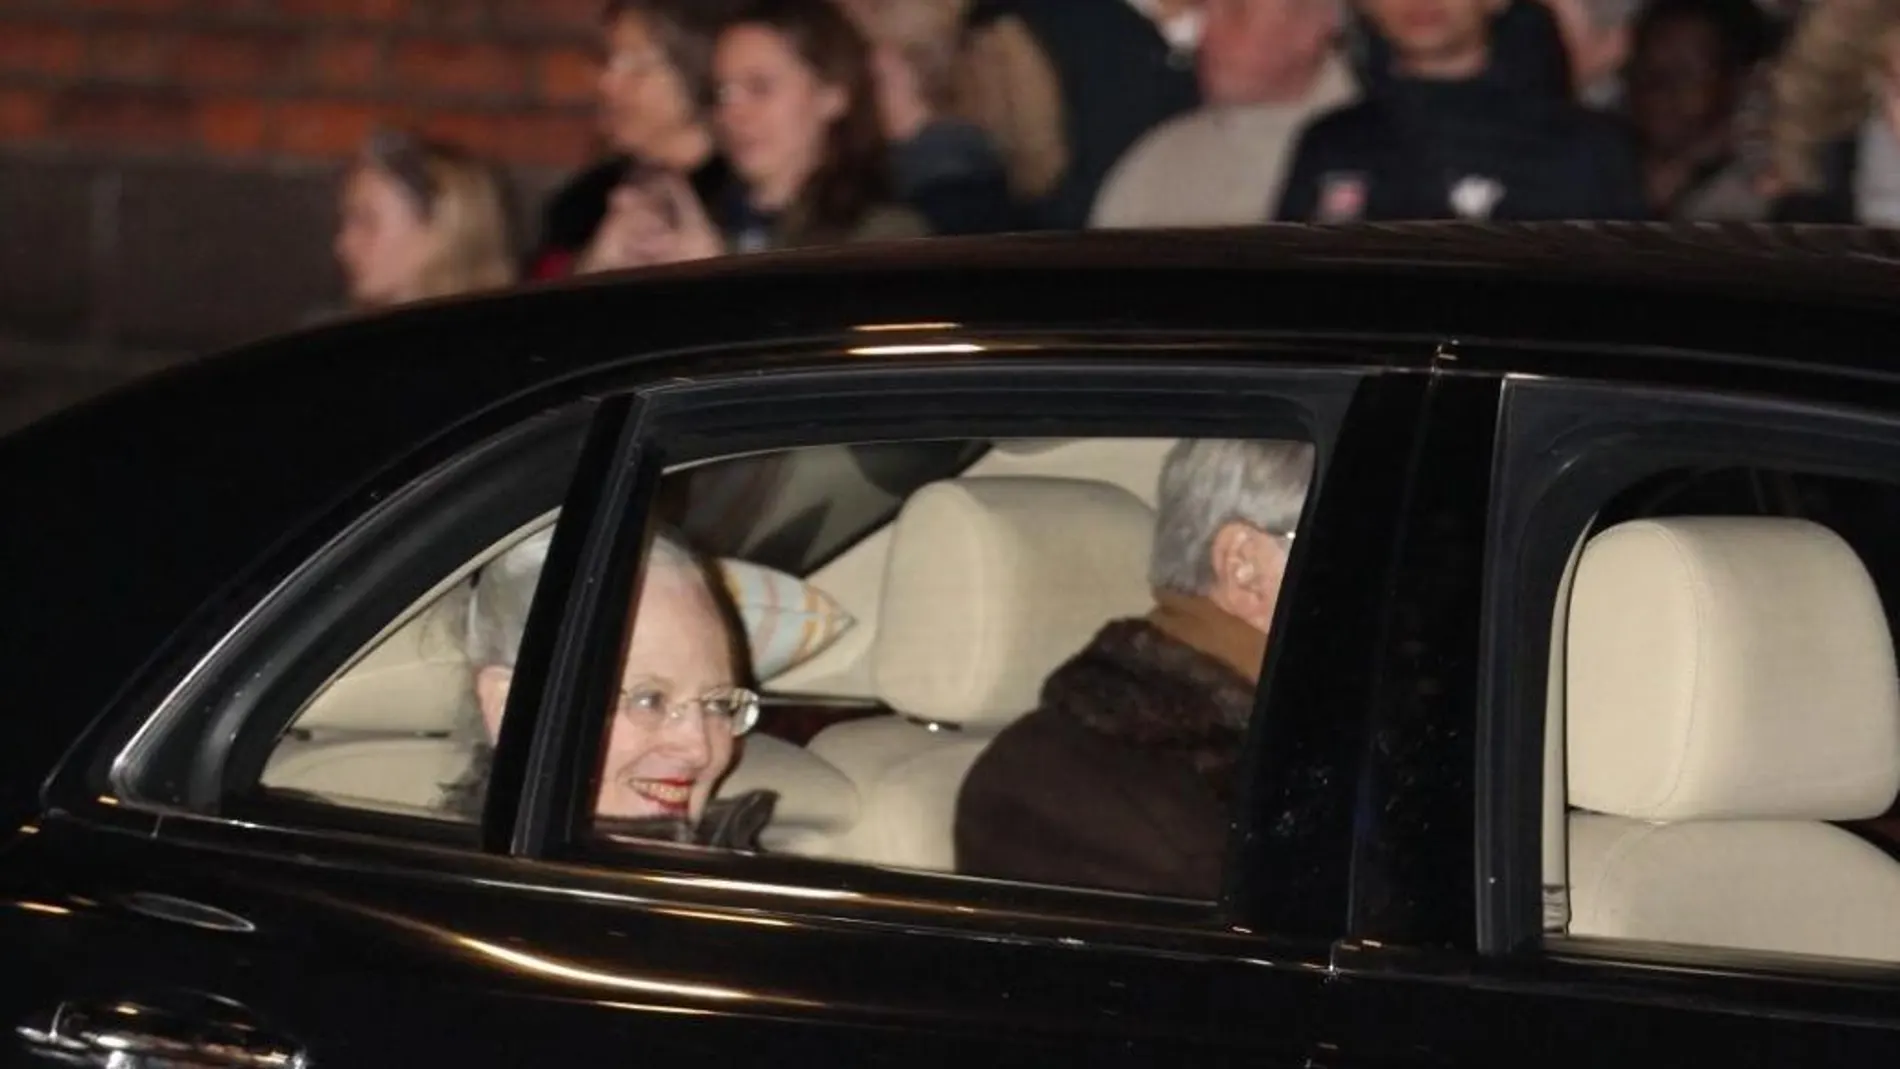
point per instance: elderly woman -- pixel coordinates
(680, 711)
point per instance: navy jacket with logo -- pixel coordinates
(1485, 148)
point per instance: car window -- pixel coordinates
(356, 654)
(844, 712)
(793, 510)
(1060, 665)
(1721, 709)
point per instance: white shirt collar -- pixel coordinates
(1183, 31)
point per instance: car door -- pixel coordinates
(233, 923)
(1482, 933)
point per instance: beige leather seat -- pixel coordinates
(1731, 688)
(392, 775)
(416, 680)
(991, 584)
(394, 727)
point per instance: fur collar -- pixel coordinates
(1136, 684)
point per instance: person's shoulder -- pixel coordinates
(1350, 125)
(1179, 130)
(889, 222)
(1153, 153)
(1571, 120)
(575, 207)
(1353, 117)
(1030, 752)
(956, 147)
(589, 184)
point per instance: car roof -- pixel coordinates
(128, 514)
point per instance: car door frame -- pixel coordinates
(1471, 979)
(1260, 906)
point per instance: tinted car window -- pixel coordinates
(1005, 620)
(1722, 707)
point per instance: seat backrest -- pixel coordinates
(1730, 689)
(416, 680)
(991, 584)
(400, 775)
(816, 802)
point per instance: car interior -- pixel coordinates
(1723, 720)
(965, 574)
(1723, 702)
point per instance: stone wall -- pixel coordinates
(168, 167)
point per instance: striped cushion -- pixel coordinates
(787, 620)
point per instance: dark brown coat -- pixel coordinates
(1120, 779)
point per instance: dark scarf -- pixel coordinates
(729, 823)
(1137, 684)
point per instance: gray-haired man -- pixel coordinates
(1121, 778)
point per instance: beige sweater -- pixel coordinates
(1216, 166)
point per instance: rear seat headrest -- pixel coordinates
(1729, 667)
(415, 680)
(992, 583)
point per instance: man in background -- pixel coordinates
(1266, 68)
(1452, 130)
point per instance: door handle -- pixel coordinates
(133, 1035)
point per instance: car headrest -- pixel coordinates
(417, 679)
(992, 583)
(1729, 668)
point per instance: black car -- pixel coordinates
(1574, 744)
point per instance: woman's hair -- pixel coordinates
(1823, 86)
(504, 589)
(685, 31)
(853, 172)
(461, 201)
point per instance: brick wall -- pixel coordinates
(297, 79)
(168, 167)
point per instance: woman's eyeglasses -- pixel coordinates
(734, 708)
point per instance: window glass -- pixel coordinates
(1037, 668)
(400, 729)
(1026, 660)
(349, 685)
(1722, 718)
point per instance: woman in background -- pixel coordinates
(420, 219)
(655, 93)
(1834, 134)
(798, 120)
(943, 167)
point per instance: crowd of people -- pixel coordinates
(733, 126)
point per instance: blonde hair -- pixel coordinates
(1825, 83)
(461, 201)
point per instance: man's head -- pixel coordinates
(680, 707)
(1690, 59)
(1446, 39)
(1264, 51)
(1225, 520)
